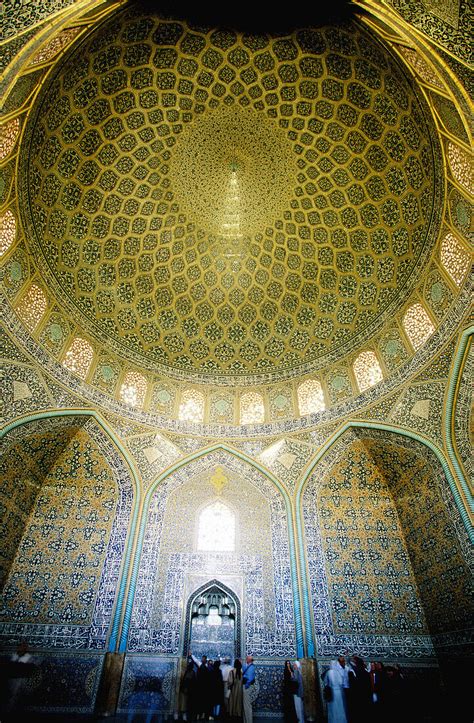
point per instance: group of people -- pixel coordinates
(209, 690)
(359, 692)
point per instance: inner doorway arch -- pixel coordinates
(213, 624)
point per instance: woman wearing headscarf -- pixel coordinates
(289, 686)
(235, 683)
(335, 678)
(298, 694)
(187, 693)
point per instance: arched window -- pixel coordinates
(216, 530)
(461, 166)
(454, 258)
(367, 370)
(191, 408)
(54, 46)
(418, 325)
(8, 135)
(79, 357)
(32, 307)
(310, 397)
(420, 65)
(133, 389)
(7, 231)
(252, 410)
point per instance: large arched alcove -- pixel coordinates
(171, 568)
(66, 498)
(387, 554)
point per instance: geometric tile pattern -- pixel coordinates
(442, 574)
(148, 257)
(366, 577)
(171, 568)
(62, 683)
(420, 408)
(464, 416)
(286, 458)
(437, 562)
(61, 586)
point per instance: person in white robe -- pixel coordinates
(337, 678)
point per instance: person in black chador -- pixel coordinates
(203, 688)
(217, 690)
(359, 698)
(290, 685)
(187, 693)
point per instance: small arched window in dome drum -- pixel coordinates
(32, 307)
(79, 357)
(8, 135)
(7, 231)
(462, 166)
(216, 529)
(454, 258)
(252, 410)
(418, 325)
(133, 389)
(367, 370)
(191, 408)
(310, 397)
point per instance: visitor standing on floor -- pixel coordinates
(187, 693)
(217, 689)
(225, 670)
(203, 700)
(298, 693)
(235, 683)
(337, 679)
(359, 694)
(248, 672)
(290, 685)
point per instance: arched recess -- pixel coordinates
(217, 594)
(142, 631)
(374, 510)
(458, 408)
(84, 518)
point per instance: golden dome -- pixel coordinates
(224, 204)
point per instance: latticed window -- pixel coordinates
(418, 325)
(79, 357)
(133, 389)
(252, 410)
(461, 166)
(8, 135)
(454, 258)
(421, 67)
(54, 46)
(7, 231)
(191, 408)
(310, 397)
(32, 307)
(216, 530)
(367, 370)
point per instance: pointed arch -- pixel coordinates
(214, 586)
(325, 449)
(111, 585)
(223, 455)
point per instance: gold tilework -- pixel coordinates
(227, 204)
(58, 551)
